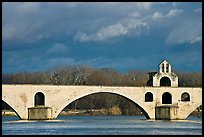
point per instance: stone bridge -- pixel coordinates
(21, 98)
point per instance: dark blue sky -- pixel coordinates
(123, 36)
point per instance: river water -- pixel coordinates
(101, 125)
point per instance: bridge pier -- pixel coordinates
(39, 113)
(166, 112)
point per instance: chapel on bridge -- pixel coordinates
(164, 76)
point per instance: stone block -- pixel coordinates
(166, 112)
(40, 113)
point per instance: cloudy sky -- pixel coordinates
(123, 36)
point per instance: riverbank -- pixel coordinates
(92, 112)
(8, 113)
(75, 112)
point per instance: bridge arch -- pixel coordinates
(130, 99)
(14, 110)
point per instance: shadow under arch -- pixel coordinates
(80, 97)
(11, 108)
(196, 112)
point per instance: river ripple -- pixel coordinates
(101, 125)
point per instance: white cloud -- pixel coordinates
(135, 14)
(186, 33)
(196, 39)
(27, 7)
(82, 37)
(136, 24)
(174, 12)
(33, 21)
(144, 5)
(174, 4)
(114, 30)
(157, 15)
(104, 33)
(51, 19)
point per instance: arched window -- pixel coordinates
(166, 98)
(165, 81)
(39, 99)
(185, 97)
(148, 97)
